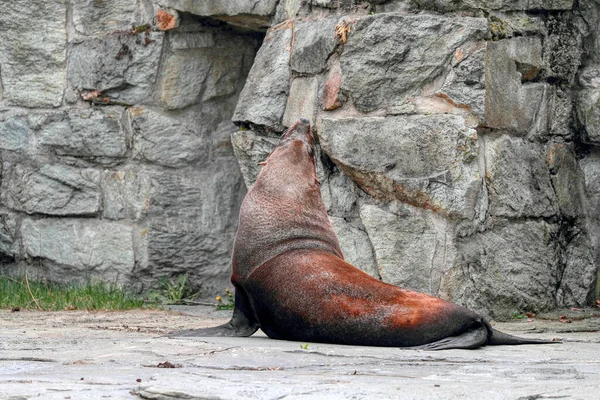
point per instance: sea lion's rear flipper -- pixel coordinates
(501, 338)
(471, 339)
(242, 323)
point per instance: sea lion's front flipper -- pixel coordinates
(242, 323)
(471, 339)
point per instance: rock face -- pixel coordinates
(458, 139)
(465, 174)
(115, 142)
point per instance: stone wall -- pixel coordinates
(459, 140)
(459, 148)
(115, 123)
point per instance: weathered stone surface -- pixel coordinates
(412, 247)
(206, 64)
(76, 249)
(287, 9)
(194, 76)
(14, 132)
(590, 167)
(98, 132)
(302, 101)
(250, 149)
(191, 222)
(356, 245)
(429, 162)
(590, 77)
(504, 5)
(253, 14)
(121, 66)
(512, 101)
(264, 97)
(51, 189)
(577, 285)
(518, 179)
(567, 179)
(389, 57)
(464, 86)
(92, 17)
(562, 50)
(511, 268)
(9, 245)
(588, 112)
(167, 140)
(331, 96)
(33, 52)
(314, 41)
(126, 193)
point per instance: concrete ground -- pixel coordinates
(118, 355)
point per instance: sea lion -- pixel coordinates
(291, 279)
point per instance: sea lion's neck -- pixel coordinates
(282, 212)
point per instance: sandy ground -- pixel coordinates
(120, 355)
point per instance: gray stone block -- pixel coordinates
(302, 101)
(503, 5)
(464, 86)
(76, 249)
(167, 140)
(581, 262)
(250, 14)
(200, 75)
(512, 101)
(567, 180)
(429, 162)
(314, 41)
(191, 223)
(51, 189)
(518, 179)
(9, 244)
(588, 113)
(92, 17)
(33, 52)
(14, 132)
(264, 97)
(512, 268)
(126, 193)
(97, 132)
(389, 57)
(251, 149)
(412, 247)
(121, 66)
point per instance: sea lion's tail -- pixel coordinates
(500, 338)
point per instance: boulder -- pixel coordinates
(78, 249)
(429, 162)
(514, 267)
(518, 179)
(264, 97)
(100, 132)
(121, 66)
(51, 189)
(33, 41)
(412, 246)
(391, 57)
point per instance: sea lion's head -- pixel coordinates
(295, 147)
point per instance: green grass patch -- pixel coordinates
(27, 294)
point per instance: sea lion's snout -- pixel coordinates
(301, 130)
